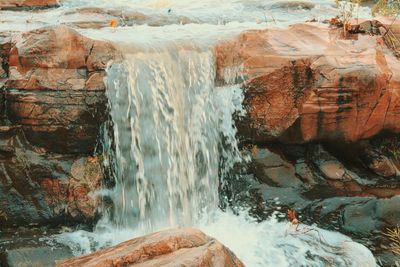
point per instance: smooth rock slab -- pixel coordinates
(176, 247)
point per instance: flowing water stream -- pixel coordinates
(173, 134)
(174, 139)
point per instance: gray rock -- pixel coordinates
(273, 168)
(35, 257)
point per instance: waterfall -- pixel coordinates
(171, 145)
(169, 124)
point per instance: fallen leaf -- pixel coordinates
(92, 159)
(292, 217)
(254, 151)
(114, 23)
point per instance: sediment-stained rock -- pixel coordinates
(27, 4)
(175, 247)
(308, 83)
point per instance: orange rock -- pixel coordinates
(72, 194)
(10, 4)
(175, 247)
(307, 83)
(55, 87)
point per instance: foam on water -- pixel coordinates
(269, 243)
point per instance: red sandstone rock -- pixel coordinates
(177, 247)
(56, 58)
(40, 187)
(53, 97)
(55, 87)
(73, 194)
(307, 83)
(12, 4)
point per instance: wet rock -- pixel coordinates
(43, 188)
(27, 4)
(379, 163)
(52, 100)
(293, 5)
(180, 247)
(74, 194)
(307, 83)
(360, 216)
(96, 18)
(329, 166)
(305, 172)
(271, 168)
(35, 256)
(277, 197)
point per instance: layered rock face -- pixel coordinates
(181, 247)
(52, 105)
(308, 83)
(18, 4)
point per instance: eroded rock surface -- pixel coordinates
(180, 247)
(27, 4)
(308, 83)
(55, 87)
(43, 188)
(52, 105)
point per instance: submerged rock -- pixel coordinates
(179, 247)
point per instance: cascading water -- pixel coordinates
(172, 141)
(172, 130)
(167, 129)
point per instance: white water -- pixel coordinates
(169, 124)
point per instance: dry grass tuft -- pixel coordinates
(394, 237)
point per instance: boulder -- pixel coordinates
(308, 83)
(27, 4)
(34, 256)
(176, 247)
(54, 88)
(44, 188)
